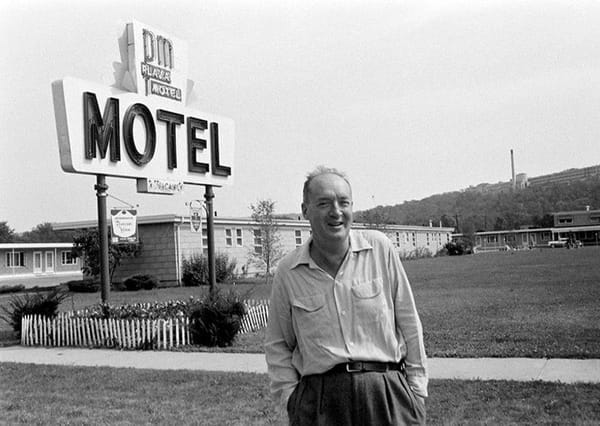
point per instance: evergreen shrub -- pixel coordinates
(83, 286)
(41, 303)
(217, 320)
(141, 281)
(195, 269)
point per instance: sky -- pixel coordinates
(409, 98)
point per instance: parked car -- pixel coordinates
(561, 242)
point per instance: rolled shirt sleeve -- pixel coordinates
(279, 345)
(408, 325)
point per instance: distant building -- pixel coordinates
(579, 225)
(522, 181)
(565, 176)
(168, 239)
(30, 260)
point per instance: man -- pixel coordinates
(344, 342)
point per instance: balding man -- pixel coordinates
(344, 343)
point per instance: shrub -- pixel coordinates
(12, 288)
(83, 286)
(45, 304)
(217, 319)
(195, 269)
(459, 247)
(141, 281)
(417, 253)
(156, 310)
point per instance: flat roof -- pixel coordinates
(248, 221)
(11, 246)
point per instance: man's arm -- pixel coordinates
(409, 326)
(279, 345)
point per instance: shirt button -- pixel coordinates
(343, 312)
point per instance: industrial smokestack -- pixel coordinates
(512, 166)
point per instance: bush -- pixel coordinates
(195, 269)
(45, 304)
(217, 320)
(417, 253)
(12, 288)
(83, 286)
(141, 281)
(157, 310)
(459, 247)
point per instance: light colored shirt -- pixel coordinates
(365, 313)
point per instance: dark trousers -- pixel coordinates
(367, 398)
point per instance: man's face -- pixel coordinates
(329, 209)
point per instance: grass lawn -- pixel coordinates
(534, 303)
(34, 394)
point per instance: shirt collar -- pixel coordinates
(357, 243)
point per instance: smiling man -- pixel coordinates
(344, 344)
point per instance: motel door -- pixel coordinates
(49, 261)
(37, 262)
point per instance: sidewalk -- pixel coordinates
(522, 369)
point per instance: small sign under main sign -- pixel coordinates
(158, 186)
(124, 226)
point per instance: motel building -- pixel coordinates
(582, 225)
(37, 260)
(167, 240)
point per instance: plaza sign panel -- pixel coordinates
(143, 129)
(158, 64)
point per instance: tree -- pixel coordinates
(44, 233)
(86, 244)
(7, 234)
(267, 248)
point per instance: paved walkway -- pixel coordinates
(524, 369)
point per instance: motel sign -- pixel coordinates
(143, 129)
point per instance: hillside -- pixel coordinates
(471, 211)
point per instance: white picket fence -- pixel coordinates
(256, 318)
(66, 329)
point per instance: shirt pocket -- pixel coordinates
(368, 300)
(312, 318)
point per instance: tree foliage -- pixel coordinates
(86, 244)
(7, 234)
(44, 233)
(470, 211)
(271, 250)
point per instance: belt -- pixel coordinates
(364, 366)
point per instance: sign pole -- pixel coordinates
(210, 234)
(101, 194)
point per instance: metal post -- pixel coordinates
(101, 188)
(210, 235)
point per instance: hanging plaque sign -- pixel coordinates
(123, 226)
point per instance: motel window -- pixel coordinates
(298, 235)
(258, 241)
(15, 259)
(239, 241)
(565, 219)
(66, 258)
(595, 218)
(492, 238)
(228, 237)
